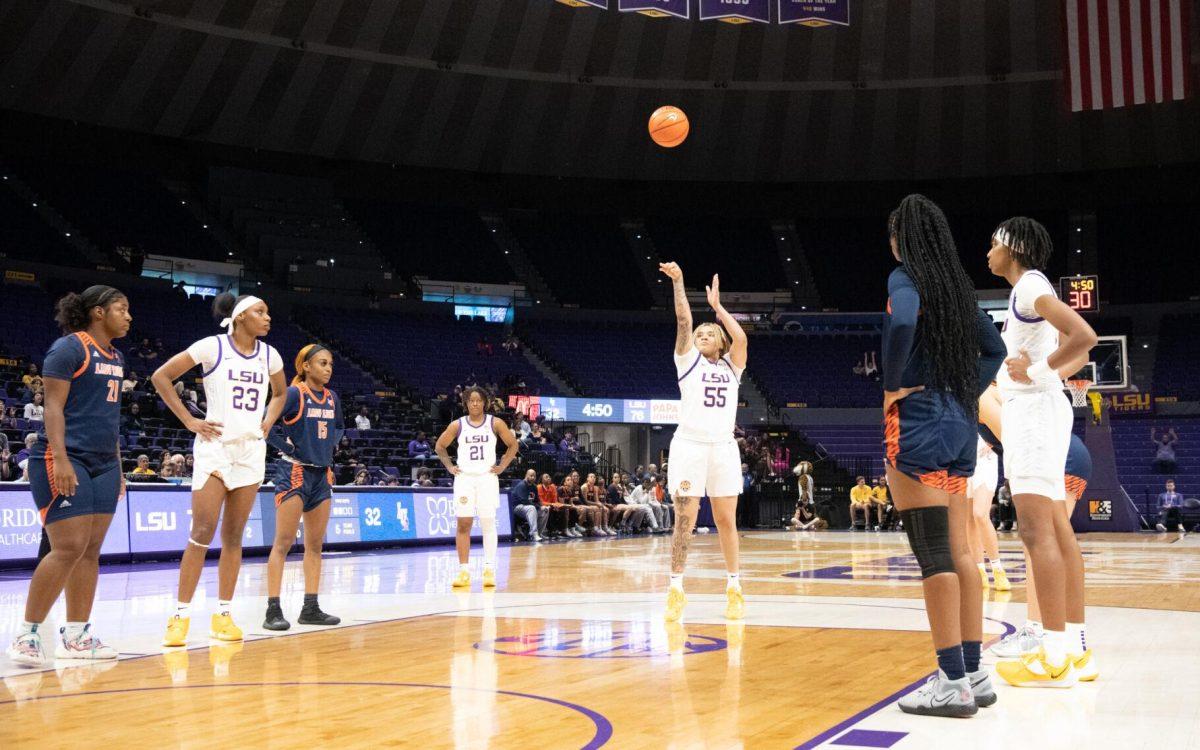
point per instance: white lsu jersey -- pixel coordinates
(236, 386)
(708, 394)
(476, 445)
(1025, 329)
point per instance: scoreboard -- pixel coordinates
(156, 519)
(1081, 293)
(619, 410)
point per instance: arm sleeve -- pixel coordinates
(64, 359)
(685, 361)
(991, 351)
(205, 352)
(1029, 289)
(904, 304)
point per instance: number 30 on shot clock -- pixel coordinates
(1081, 293)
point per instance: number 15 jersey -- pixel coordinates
(708, 394)
(236, 386)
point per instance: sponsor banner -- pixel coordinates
(1131, 402)
(1100, 510)
(383, 516)
(628, 411)
(736, 11)
(21, 527)
(8, 362)
(586, 3)
(160, 520)
(664, 412)
(815, 13)
(656, 8)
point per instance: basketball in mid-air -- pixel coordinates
(668, 126)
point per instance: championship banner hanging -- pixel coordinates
(736, 11)
(815, 13)
(656, 8)
(602, 4)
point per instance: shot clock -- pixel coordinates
(1081, 293)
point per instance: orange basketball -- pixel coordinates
(668, 126)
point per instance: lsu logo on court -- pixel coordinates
(1100, 510)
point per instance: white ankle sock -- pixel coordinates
(1055, 645)
(677, 581)
(183, 610)
(28, 627)
(997, 564)
(733, 581)
(1076, 637)
(223, 606)
(464, 567)
(72, 629)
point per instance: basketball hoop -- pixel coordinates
(1079, 391)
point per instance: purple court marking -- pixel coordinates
(603, 726)
(875, 707)
(617, 647)
(869, 738)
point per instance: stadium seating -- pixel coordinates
(1174, 369)
(1135, 457)
(815, 370)
(607, 359)
(24, 236)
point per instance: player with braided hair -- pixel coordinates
(939, 352)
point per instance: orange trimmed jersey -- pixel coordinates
(310, 427)
(92, 411)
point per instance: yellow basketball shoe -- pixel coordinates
(1001, 579)
(1033, 670)
(462, 580)
(1086, 668)
(983, 577)
(735, 604)
(223, 629)
(489, 578)
(675, 603)
(177, 631)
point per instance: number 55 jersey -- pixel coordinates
(704, 457)
(237, 388)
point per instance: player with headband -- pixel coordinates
(245, 391)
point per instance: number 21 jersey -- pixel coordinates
(236, 386)
(708, 394)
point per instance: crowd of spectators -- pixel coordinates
(573, 508)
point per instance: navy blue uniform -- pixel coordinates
(92, 414)
(1079, 467)
(307, 438)
(928, 435)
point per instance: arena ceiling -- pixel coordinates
(908, 90)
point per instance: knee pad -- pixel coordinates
(928, 532)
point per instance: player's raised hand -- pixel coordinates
(671, 270)
(714, 293)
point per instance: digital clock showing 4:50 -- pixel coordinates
(1081, 293)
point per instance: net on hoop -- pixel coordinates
(1079, 390)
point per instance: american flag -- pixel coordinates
(1126, 52)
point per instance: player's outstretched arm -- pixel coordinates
(737, 337)
(449, 435)
(510, 441)
(683, 310)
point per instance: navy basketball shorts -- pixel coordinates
(1078, 470)
(97, 492)
(312, 484)
(929, 437)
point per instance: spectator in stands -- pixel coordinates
(1169, 503)
(31, 377)
(883, 503)
(582, 516)
(35, 411)
(389, 481)
(643, 495)
(168, 471)
(511, 345)
(22, 456)
(663, 495)
(189, 465)
(345, 452)
(524, 431)
(418, 447)
(860, 499)
(537, 434)
(145, 351)
(130, 382)
(593, 495)
(362, 477)
(424, 478)
(559, 515)
(747, 479)
(1006, 516)
(361, 420)
(1164, 450)
(8, 470)
(484, 347)
(9, 420)
(143, 467)
(567, 444)
(525, 505)
(131, 421)
(164, 458)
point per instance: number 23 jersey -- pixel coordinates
(236, 386)
(708, 394)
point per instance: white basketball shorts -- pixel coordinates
(1037, 434)
(987, 474)
(240, 463)
(476, 495)
(698, 469)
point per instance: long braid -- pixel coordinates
(948, 303)
(1027, 240)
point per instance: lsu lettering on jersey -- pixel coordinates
(312, 424)
(93, 407)
(476, 446)
(708, 397)
(1025, 329)
(236, 386)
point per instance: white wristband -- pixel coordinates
(1038, 371)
